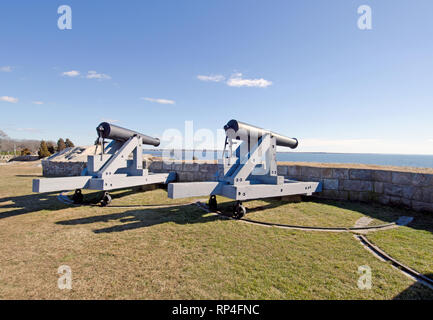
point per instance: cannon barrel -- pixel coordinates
(110, 131)
(256, 132)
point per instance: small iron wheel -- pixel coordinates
(212, 202)
(106, 199)
(78, 196)
(239, 210)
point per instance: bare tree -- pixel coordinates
(8, 144)
(3, 135)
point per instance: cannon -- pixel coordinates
(244, 131)
(112, 168)
(107, 130)
(248, 171)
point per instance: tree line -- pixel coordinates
(46, 148)
(29, 146)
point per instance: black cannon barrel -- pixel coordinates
(249, 130)
(110, 131)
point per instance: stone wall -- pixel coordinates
(389, 187)
(188, 171)
(19, 158)
(25, 158)
(62, 168)
(57, 168)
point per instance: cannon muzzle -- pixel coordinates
(110, 131)
(244, 131)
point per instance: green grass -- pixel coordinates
(325, 213)
(411, 245)
(134, 197)
(182, 252)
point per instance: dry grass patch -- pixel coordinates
(174, 252)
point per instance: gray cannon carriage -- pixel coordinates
(248, 172)
(111, 169)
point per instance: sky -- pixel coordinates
(300, 68)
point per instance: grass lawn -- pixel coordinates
(182, 252)
(316, 213)
(411, 245)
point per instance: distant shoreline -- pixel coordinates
(300, 152)
(380, 159)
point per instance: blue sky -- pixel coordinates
(300, 68)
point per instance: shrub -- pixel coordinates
(51, 147)
(69, 143)
(25, 152)
(61, 145)
(43, 150)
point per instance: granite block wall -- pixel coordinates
(389, 187)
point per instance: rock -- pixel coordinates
(393, 190)
(378, 187)
(360, 174)
(339, 173)
(282, 170)
(190, 166)
(293, 171)
(311, 172)
(357, 185)
(400, 178)
(382, 176)
(327, 173)
(330, 184)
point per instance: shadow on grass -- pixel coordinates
(226, 208)
(417, 291)
(387, 214)
(135, 219)
(29, 175)
(48, 201)
(30, 203)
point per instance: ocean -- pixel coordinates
(404, 160)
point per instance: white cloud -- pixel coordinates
(6, 69)
(9, 99)
(213, 78)
(72, 73)
(236, 80)
(100, 76)
(161, 101)
(37, 102)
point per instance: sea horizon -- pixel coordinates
(383, 159)
(313, 152)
